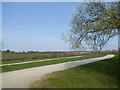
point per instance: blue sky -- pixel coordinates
(38, 26)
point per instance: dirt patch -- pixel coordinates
(43, 82)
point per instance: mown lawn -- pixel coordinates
(101, 74)
(36, 64)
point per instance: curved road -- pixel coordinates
(23, 78)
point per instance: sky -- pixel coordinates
(39, 26)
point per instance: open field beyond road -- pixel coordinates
(37, 61)
(24, 78)
(36, 64)
(16, 57)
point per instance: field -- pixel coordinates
(101, 74)
(36, 64)
(21, 57)
(13, 57)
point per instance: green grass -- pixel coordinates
(36, 64)
(23, 57)
(12, 57)
(101, 74)
(18, 61)
(15, 55)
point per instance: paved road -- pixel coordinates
(38, 61)
(24, 78)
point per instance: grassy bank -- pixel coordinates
(36, 64)
(101, 74)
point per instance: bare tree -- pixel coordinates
(93, 24)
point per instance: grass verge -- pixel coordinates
(19, 61)
(36, 64)
(101, 74)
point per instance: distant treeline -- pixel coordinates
(9, 51)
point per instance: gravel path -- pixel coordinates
(38, 61)
(24, 78)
